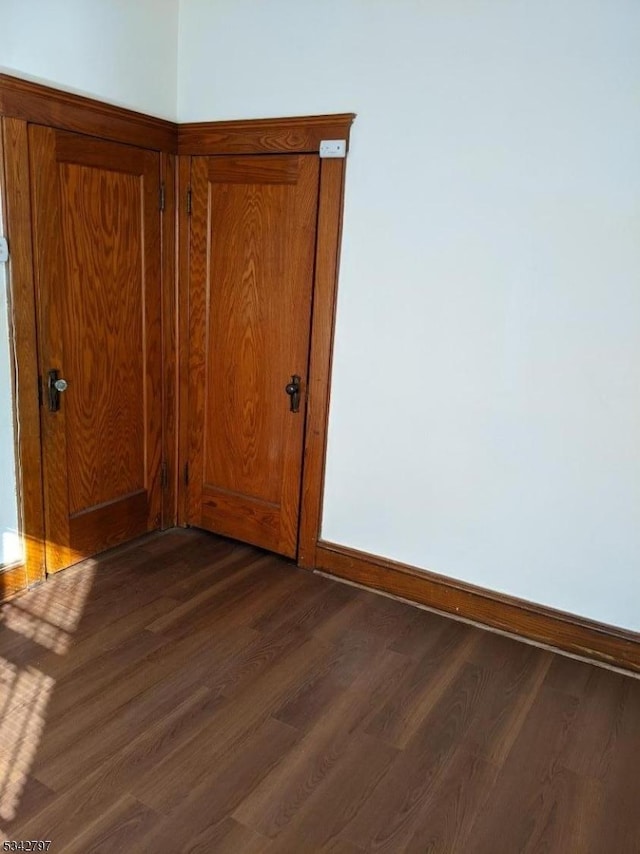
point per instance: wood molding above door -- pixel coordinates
(299, 135)
(38, 104)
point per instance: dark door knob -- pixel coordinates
(293, 390)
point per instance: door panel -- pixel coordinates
(252, 255)
(97, 258)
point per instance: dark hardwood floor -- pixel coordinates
(192, 694)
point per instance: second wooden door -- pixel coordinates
(253, 233)
(97, 261)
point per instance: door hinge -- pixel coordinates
(186, 474)
(189, 202)
(163, 196)
(164, 476)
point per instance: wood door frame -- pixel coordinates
(299, 135)
(170, 338)
(17, 202)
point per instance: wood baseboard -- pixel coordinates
(564, 631)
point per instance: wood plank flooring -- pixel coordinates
(192, 694)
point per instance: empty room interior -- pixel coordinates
(320, 426)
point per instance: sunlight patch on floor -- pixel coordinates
(20, 733)
(48, 619)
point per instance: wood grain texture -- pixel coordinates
(263, 136)
(17, 202)
(109, 523)
(34, 103)
(331, 202)
(104, 344)
(183, 266)
(98, 266)
(255, 170)
(252, 258)
(232, 702)
(13, 580)
(536, 622)
(170, 386)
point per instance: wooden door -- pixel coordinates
(253, 230)
(97, 260)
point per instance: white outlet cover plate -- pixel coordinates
(333, 148)
(4, 250)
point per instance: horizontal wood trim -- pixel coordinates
(300, 135)
(38, 104)
(262, 170)
(536, 622)
(77, 150)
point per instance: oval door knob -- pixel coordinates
(293, 390)
(61, 385)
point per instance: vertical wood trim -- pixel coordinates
(197, 334)
(151, 235)
(183, 265)
(330, 206)
(169, 341)
(48, 271)
(17, 196)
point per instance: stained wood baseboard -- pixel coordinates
(528, 620)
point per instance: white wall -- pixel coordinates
(10, 542)
(122, 51)
(485, 418)
(10, 539)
